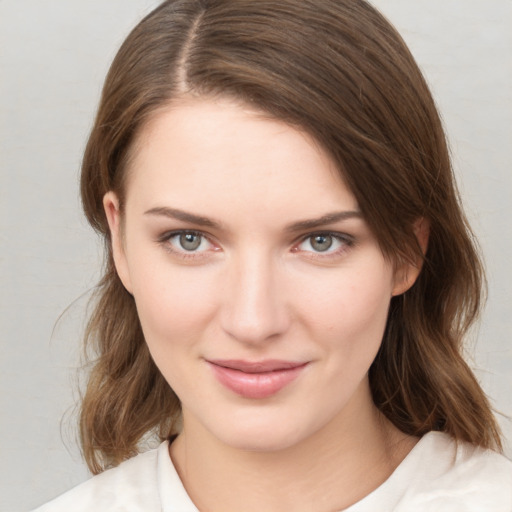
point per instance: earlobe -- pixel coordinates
(407, 273)
(113, 214)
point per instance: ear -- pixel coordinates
(113, 214)
(407, 273)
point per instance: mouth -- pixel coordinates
(256, 379)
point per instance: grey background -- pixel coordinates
(53, 57)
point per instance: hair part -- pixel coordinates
(339, 71)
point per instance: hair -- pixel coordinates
(338, 70)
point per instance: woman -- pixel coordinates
(289, 273)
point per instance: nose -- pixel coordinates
(254, 309)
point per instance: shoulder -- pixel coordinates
(443, 475)
(133, 485)
(450, 475)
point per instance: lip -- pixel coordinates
(255, 379)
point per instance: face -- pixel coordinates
(261, 291)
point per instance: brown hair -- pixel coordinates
(340, 71)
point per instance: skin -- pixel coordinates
(254, 290)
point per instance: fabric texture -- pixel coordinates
(438, 475)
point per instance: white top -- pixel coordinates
(438, 475)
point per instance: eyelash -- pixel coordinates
(346, 241)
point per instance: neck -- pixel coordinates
(330, 470)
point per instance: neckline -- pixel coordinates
(384, 497)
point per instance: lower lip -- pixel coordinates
(256, 385)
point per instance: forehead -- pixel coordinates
(204, 151)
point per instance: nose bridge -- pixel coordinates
(255, 308)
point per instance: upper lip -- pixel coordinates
(268, 365)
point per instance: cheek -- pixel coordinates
(349, 329)
(174, 304)
(352, 310)
(175, 312)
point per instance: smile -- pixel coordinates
(260, 379)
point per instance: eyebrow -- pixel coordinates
(174, 213)
(328, 218)
(301, 225)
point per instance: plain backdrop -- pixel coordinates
(53, 58)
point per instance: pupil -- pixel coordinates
(321, 242)
(190, 241)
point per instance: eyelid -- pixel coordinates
(345, 237)
(174, 232)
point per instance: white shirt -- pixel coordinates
(438, 475)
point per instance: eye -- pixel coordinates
(187, 242)
(326, 243)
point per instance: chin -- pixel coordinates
(272, 435)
